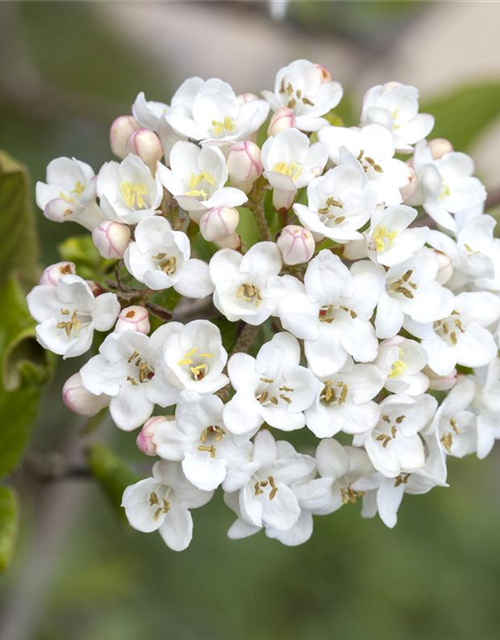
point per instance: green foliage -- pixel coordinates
(18, 242)
(82, 251)
(8, 525)
(463, 115)
(247, 227)
(112, 474)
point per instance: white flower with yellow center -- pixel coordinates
(290, 162)
(271, 388)
(161, 503)
(338, 204)
(401, 361)
(160, 257)
(129, 368)
(69, 193)
(217, 116)
(196, 179)
(308, 91)
(127, 190)
(68, 313)
(194, 357)
(395, 106)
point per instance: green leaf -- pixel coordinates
(18, 242)
(462, 116)
(82, 251)
(9, 516)
(247, 228)
(112, 474)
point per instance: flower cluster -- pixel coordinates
(369, 306)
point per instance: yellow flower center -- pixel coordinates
(224, 126)
(77, 190)
(194, 183)
(292, 170)
(133, 194)
(383, 238)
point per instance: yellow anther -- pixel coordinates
(249, 293)
(383, 239)
(194, 182)
(223, 126)
(133, 194)
(397, 369)
(71, 325)
(292, 170)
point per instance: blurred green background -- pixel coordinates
(66, 70)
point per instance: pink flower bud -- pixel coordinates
(134, 318)
(147, 145)
(243, 98)
(219, 223)
(325, 74)
(296, 244)
(244, 164)
(111, 239)
(440, 147)
(231, 242)
(119, 133)
(81, 401)
(281, 120)
(55, 272)
(408, 191)
(445, 268)
(145, 438)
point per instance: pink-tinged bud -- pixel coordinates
(244, 164)
(283, 200)
(147, 145)
(96, 288)
(281, 120)
(55, 272)
(231, 242)
(440, 383)
(296, 244)
(111, 239)
(134, 318)
(445, 268)
(243, 98)
(408, 191)
(79, 400)
(145, 438)
(219, 223)
(120, 132)
(325, 74)
(440, 147)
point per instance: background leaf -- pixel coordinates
(9, 515)
(18, 241)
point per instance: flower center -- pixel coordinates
(195, 185)
(398, 367)
(383, 239)
(404, 285)
(350, 495)
(166, 264)
(447, 437)
(197, 368)
(368, 163)
(214, 433)
(272, 393)
(326, 211)
(145, 373)
(329, 312)
(292, 170)
(401, 479)
(260, 485)
(71, 326)
(385, 438)
(223, 127)
(293, 96)
(334, 393)
(450, 328)
(77, 191)
(133, 194)
(163, 506)
(249, 293)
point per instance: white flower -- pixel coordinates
(194, 357)
(68, 313)
(218, 116)
(411, 292)
(69, 193)
(162, 502)
(344, 402)
(373, 148)
(343, 466)
(401, 361)
(127, 190)
(198, 438)
(196, 178)
(290, 162)
(160, 257)
(487, 404)
(386, 494)
(307, 90)
(338, 204)
(129, 369)
(461, 337)
(455, 422)
(446, 186)
(272, 388)
(247, 287)
(265, 495)
(477, 255)
(395, 106)
(395, 446)
(332, 313)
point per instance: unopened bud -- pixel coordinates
(296, 244)
(55, 272)
(408, 191)
(145, 438)
(325, 74)
(120, 132)
(96, 288)
(219, 223)
(440, 147)
(440, 383)
(147, 145)
(243, 98)
(445, 267)
(111, 239)
(281, 120)
(244, 164)
(79, 400)
(134, 318)
(231, 242)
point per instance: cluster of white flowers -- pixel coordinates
(381, 287)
